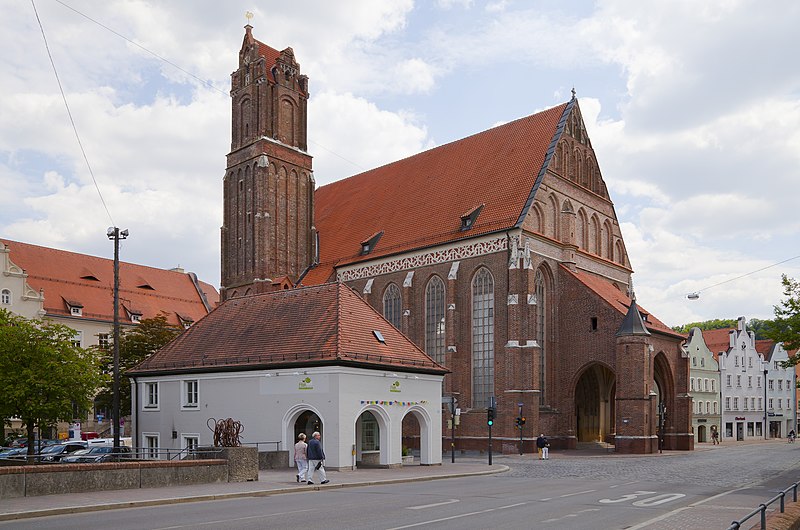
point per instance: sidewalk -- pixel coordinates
(270, 482)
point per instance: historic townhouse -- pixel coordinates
(77, 290)
(781, 392)
(704, 386)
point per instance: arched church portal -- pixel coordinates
(594, 404)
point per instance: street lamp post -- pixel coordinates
(115, 234)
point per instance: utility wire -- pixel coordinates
(69, 113)
(203, 81)
(742, 276)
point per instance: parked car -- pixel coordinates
(97, 454)
(13, 452)
(54, 453)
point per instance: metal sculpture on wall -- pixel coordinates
(227, 433)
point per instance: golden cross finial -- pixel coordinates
(249, 16)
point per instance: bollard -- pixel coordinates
(763, 516)
(794, 492)
(783, 494)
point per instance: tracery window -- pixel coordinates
(435, 319)
(541, 331)
(482, 337)
(392, 305)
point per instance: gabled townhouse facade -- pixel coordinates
(704, 387)
(781, 392)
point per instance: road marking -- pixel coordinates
(659, 499)
(571, 515)
(628, 497)
(423, 523)
(576, 493)
(194, 525)
(679, 510)
(451, 501)
(546, 499)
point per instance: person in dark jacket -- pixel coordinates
(316, 456)
(544, 447)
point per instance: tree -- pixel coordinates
(135, 345)
(43, 373)
(759, 327)
(786, 326)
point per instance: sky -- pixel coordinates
(692, 108)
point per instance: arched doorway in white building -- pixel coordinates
(372, 438)
(301, 418)
(417, 432)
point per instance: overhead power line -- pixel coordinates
(69, 113)
(696, 294)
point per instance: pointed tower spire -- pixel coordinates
(632, 324)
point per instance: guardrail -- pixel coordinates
(259, 444)
(762, 508)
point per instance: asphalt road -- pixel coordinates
(703, 489)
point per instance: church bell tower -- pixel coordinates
(268, 189)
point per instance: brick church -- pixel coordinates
(500, 255)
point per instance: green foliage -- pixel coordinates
(135, 345)
(717, 323)
(43, 375)
(786, 326)
(759, 327)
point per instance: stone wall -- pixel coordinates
(29, 481)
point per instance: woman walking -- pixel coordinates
(301, 457)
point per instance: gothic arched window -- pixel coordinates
(482, 337)
(392, 305)
(435, 319)
(541, 329)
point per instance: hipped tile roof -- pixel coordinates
(63, 277)
(418, 202)
(321, 325)
(619, 300)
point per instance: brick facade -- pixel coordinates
(559, 275)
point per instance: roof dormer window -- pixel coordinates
(134, 315)
(368, 245)
(468, 219)
(74, 307)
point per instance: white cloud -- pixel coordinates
(344, 125)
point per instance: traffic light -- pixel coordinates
(522, 421)
(517, 421)
(490, 413)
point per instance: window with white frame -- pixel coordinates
(771, 384)
(716, 407)
(705, 385)
(712, 385)
(190, 443)
(151, 396)
(150, 441)
(753, 403)
(735, 403)
(77, 340)
(5, 297)
(745, 403)
(728, 380)
(739, 381)
(103, 341)
(694, 360)
(760, 403)
(749, 381)
(758, 381)
(75, 311)
(780, 384)
(777, 366)
(780, 403)
(788, 404)
(727, 403)
(191, 394)
(691, 384)
(702, 361)
(769, 404)
(708, 407)
(750, 362)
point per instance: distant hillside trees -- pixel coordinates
(759, 327)
(786, 326)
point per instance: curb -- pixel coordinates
(237, 495)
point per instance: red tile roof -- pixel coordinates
(88, 281)
(271, 55)
(325, 324)
(619, 300)
(418, 202)
(717, 340)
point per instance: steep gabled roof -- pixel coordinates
(718, 340)
(420, 201)
(326, 324)
(619, 300)
(69, 278)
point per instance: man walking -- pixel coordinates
(544, 447)
(315, 457)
